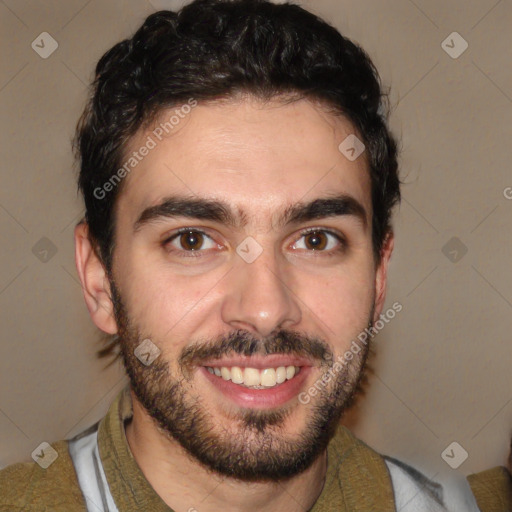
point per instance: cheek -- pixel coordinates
(163, 303)
(343, 302)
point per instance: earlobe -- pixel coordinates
(94, 279)
(382, 273)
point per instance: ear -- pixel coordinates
(381, 275)
(95, 283)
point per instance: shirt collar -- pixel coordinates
(357, 478)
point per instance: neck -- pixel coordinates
(185, 485)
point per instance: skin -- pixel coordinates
(259, 157)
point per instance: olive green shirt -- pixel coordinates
(358, 479)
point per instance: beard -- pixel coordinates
(253, 446)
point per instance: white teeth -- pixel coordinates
(253, 377)
(268, 377)
(280, 374)
(236, 375)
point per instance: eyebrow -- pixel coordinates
(222, 212)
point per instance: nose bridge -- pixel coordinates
(260, 297)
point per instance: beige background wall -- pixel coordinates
(443, 369)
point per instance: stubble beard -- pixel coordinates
(253, 445)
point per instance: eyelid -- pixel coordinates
(319, 229)
(181, 231)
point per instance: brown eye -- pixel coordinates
(188, 242)
(191, 240)
(316, 241)
(320, 241)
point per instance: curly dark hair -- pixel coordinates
(217, 49)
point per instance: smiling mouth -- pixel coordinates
(254, 378)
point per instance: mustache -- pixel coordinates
(244, 343)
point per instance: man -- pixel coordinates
(239, 179)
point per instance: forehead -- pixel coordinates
(259, 157)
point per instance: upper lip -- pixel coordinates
(259, 361)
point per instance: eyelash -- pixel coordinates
(197, 254)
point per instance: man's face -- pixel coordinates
(259, 290)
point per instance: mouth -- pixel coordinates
(253, 378)
(260, 383)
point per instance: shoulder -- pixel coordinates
(54, 488)
(492, 489)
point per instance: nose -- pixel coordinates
(260, 297)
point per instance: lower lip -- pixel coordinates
(259, 398)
